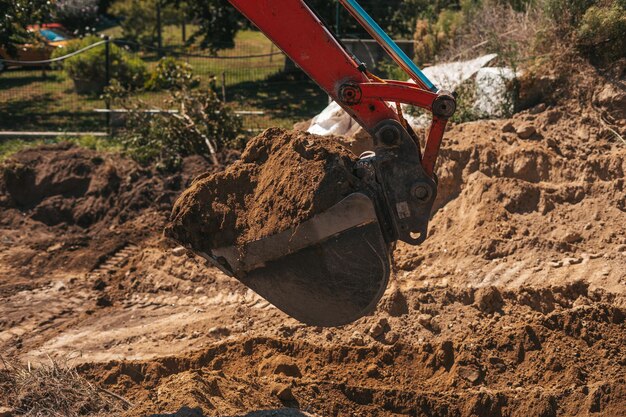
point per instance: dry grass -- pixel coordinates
(54, 389)
(496, 27)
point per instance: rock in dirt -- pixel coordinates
(572, 237)
(282, 391)
(470, 373)
(488, 299)
(508, 127)
(356, 339)
(425, 320)
(283, 178)
(381, 326)
(525, 130)
(179, 251)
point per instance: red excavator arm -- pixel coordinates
(333, 268)
(296, 29)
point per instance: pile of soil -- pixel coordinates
(65, 184)
(74, 207)
(283, 178)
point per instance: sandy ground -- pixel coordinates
(514, 306)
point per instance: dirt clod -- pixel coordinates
(488, 299)
(508, 127)
(282, 391)
(379, 327)
(395, 304)
(425, 320)
(280, 365)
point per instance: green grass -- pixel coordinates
(9, 147)
(33, 99)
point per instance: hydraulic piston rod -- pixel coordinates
(388, 44)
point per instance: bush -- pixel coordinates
(172, 74)
(88, 69)
(203, 125)
(79, 16)
(430, 38)
(566, 13)
(601, 35)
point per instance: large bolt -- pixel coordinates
(350, 94)
(389, 135)
(444, 105)
(421, 192)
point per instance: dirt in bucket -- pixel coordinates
(283, 178)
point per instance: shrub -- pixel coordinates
(88, 69)
(430, 37)
(601, 35)
(172, 74)
(202, 126)
(566, 13)
(77, 15)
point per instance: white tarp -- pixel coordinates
(492, 91)
(448, 76)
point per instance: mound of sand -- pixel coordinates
(283, 178)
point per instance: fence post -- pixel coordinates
(184, 29)
(107, 79)
(224, 86)
(159, 28)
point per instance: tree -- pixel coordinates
(15, 15)
(218, 20)
(138, 20)
(396, 17)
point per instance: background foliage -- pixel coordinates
(201, 125)
(15, 15)
(90, 66)
(79, 16)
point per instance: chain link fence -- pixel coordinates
(254, 77)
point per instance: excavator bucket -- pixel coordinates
(334, 267)
(327, 271)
